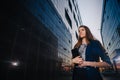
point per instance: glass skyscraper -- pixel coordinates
(110, 29)
(36, 38)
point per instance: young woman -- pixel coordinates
(86, 64)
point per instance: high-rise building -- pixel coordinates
(70, 14)
(36, 38)
(110, 29)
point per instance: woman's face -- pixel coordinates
(82, 32)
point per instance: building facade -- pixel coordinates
(37, 37)
(70, 14)
(110, 29)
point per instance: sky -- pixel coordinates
(91, 12)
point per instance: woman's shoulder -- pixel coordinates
(95, 42)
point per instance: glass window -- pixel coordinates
(68, 18)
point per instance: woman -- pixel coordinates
(89, 51)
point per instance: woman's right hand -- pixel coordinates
(77, 60)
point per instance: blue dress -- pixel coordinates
(94, 50)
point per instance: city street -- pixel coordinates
(53, 39)
(111, 77)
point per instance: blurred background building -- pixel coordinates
(36, 38)
(110, 30)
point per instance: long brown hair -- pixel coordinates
(89, 36)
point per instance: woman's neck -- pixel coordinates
(84, 41)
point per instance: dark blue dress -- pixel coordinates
(94, 50)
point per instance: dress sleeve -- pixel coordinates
(102, 53)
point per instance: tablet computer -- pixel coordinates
(75, 52)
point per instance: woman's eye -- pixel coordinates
(82, 29)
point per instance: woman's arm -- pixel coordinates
(101, 52)
(94, 64)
